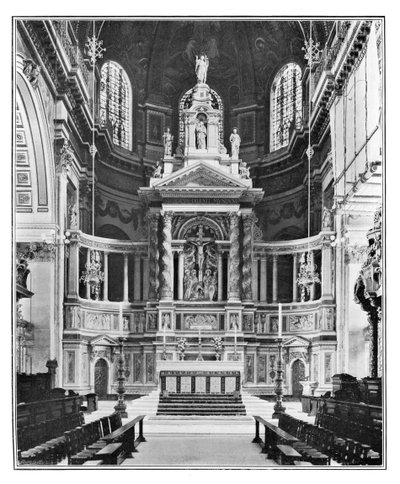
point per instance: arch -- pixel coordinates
(216, 103)
(110, 231)
(285, 104)
(33, 149)
(297, 374)
(207, 222)
(116, 103)
(101, 377)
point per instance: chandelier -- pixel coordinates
(308, 275)
(93, 276)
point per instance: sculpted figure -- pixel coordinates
(167, 141)
(244, 172)
(201, 68)
(201, 133)
(327, 219)
(235, 144)
(157, 170)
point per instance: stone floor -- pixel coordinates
(198, 441)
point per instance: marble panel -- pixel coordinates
(200, 384)
(186, 384)
(170, 384)
(215, 384)
(230, 384)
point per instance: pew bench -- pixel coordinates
(111, 454)
(93, 463)
(273, 436)
(127, 435)
(287, 455)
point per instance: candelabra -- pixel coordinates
(278, 407)
(200, 356)
(120, 407)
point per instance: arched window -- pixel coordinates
(286, 104)
(115, 103)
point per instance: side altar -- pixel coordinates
(200, 219)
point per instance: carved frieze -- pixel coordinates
(200, 321)
(301, 323)
(100, 322)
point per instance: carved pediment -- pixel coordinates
(198, 176)
(296, 342)
(103, 341)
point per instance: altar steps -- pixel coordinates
(201, 404)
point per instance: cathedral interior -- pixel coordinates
(198, 211)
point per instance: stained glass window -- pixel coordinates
(115, 103)
(286, 104)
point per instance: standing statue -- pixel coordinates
(167, 141)
(201, 69)
(235, 144)
(201, 132)
(327, 219)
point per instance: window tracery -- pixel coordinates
(115, 103)
(286, 104)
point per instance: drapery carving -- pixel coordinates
(153, 255)
(234, 259)
(166, 257)
(248, 222)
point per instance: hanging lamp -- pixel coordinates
(308, 274)
(93, 275)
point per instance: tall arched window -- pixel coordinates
(116, 102)
(286, 104)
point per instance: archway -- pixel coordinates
(101, 378)
(298, 374)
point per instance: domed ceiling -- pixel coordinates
(159, 55)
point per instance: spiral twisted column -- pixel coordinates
(166, 256)
(153, 255)
(247, 271)
(234, 257)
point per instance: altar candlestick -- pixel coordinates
(280, 321)
(120, 318)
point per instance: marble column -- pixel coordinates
(295, 256)
(220, 275)
(153, 256)
(373, 320)
(145, 278)
(234, 258)
(126, 282)
(137, 279)
(181, 260)
(326, 270)
(166, 257)
(105, 285)
(73, 274)
(255, 280)
(312, 288)
(87, 265)
(275, 278)
(263, 279)
(247, 279)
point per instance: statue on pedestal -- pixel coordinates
(235, 144)
(201, 69)
(201, 133)
(167, 141)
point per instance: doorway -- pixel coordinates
(101, 378)
(298, 374)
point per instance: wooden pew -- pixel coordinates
(287, 455)
(273, 436)
(126, 435)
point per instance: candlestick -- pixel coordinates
(120, 407)
(280, 321)
(278, 407)
(120, 318)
